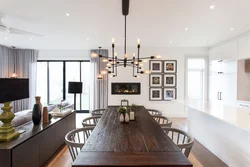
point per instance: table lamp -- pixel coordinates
(10, 90)
(74, 88)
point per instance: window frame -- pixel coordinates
(64, 79)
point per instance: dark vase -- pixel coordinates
(36, 114)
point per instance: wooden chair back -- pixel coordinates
(154, 112)
(163, 121)
(76, 139)
(182, 139)
(98, 112)
(91, 121)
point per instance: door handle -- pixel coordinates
(218, 95)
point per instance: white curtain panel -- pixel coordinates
(98, 88)
(26, 64)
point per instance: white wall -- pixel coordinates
(63, 55)
(125, 75)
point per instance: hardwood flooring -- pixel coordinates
(199, 156)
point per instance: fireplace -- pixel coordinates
(126, 88)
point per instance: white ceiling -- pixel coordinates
(156, 22)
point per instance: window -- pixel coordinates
(53, 78)
(195, 78)
(41, 82)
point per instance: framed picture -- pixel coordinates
(169, 80)
(155, 66)
(169, 93)
(155, 94)
(170, 66)
(155, 80)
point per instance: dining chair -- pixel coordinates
(182, 139)
(154, 112)
(98, 112)
(76, 139)
(90, 121)
(162, 120)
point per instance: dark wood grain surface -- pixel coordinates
(30, 131)
(137, 143)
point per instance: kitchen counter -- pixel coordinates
(223, 129)
(237, 116)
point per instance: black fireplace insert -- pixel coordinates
(126, 88)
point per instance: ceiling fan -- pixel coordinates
(5, 28)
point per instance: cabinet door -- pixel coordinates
(244, 47)
(229, 88)
(214, 87)
(214, 54)
(229, 51)
(229, 67)
(26, 154)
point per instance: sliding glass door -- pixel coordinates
(53, 78)
(55, 82)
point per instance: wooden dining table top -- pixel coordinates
(138, 143)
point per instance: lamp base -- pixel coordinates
(7, 131)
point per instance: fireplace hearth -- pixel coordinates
(126, 88)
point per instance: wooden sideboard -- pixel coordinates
(37, 144)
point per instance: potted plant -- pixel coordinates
(133, 107)
(124, 117)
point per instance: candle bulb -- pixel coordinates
(139, 41)
(126, 56)
(133, 55)
(113, 40)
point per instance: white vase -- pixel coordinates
(126, 117)
(121, 118)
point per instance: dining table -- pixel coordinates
(138, 143)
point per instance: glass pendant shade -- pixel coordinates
(99, 76)
(13, 75)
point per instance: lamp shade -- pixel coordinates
(13, 89)
(75, 87)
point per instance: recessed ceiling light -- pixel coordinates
(212, 7)
(67, 14)
(231, 29)
(205, 42)
(31, 38)
(5, 38)
(186, 29)
(170, 42)
(87, 38)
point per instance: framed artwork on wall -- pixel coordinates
(155, 66)
(170, 66)
(155, 80)
(169, 93)
(155, 94)
(169, 80)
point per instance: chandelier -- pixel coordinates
(114, 62)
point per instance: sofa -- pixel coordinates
(25, 116)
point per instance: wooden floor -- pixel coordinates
(199, 156)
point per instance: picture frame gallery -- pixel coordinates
(162, 80)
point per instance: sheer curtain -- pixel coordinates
(98, 88)
(26, 62)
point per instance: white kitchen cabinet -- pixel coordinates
(228, 91)
(214, 54)
(244, 47)
(214, 88)
(222, 88)
(228, 51)
(223, 73)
